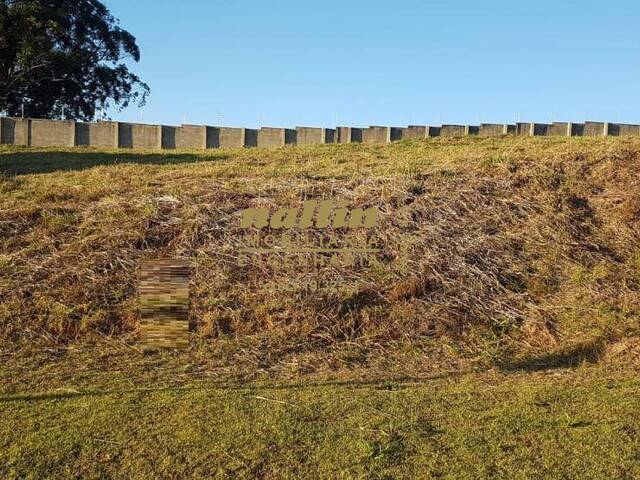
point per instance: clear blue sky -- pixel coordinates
(288, 63)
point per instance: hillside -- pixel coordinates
(492, 251)
(504, 288)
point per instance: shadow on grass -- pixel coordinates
(387, 384)
(589, 352)
(22, 162)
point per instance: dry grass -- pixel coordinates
(512, 251)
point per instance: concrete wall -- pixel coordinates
(290, 136)
(414, 131)
(433, 131)
(593, 129)
(311, 135)
(271, 137)
(329, 135)
(493, 129)
(623, 129)
(566, 129)
(190, 137)
(452, 130)
(50, 133)
(376, 134)
(559, 128)
(343, 135)
(213, 137)
(541, 128)
(276, 137)
(98, 135)
(225, 137)
(169, 134)
(15, 131)
(250, 137)
(231, 137)
(527, 128)
(139, 135)
(523, 128)
(577, 129)
(349, 135)
(8, 131)
(395, 133)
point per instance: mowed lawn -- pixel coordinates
(578, 423)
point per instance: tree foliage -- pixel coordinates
(65, 58)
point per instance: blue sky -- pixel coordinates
(288, 63)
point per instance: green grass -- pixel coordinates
(583, 423)
(498, 337)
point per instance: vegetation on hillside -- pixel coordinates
(501, 260)
(514, 252)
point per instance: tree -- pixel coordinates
(65, 58)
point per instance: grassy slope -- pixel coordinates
(543, 234)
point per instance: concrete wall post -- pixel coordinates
(116, 134)
(433, 131)
(72, 133)
(329, 135)
(344, 135)
(159, 137)
(26, 131)
(605, 130)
